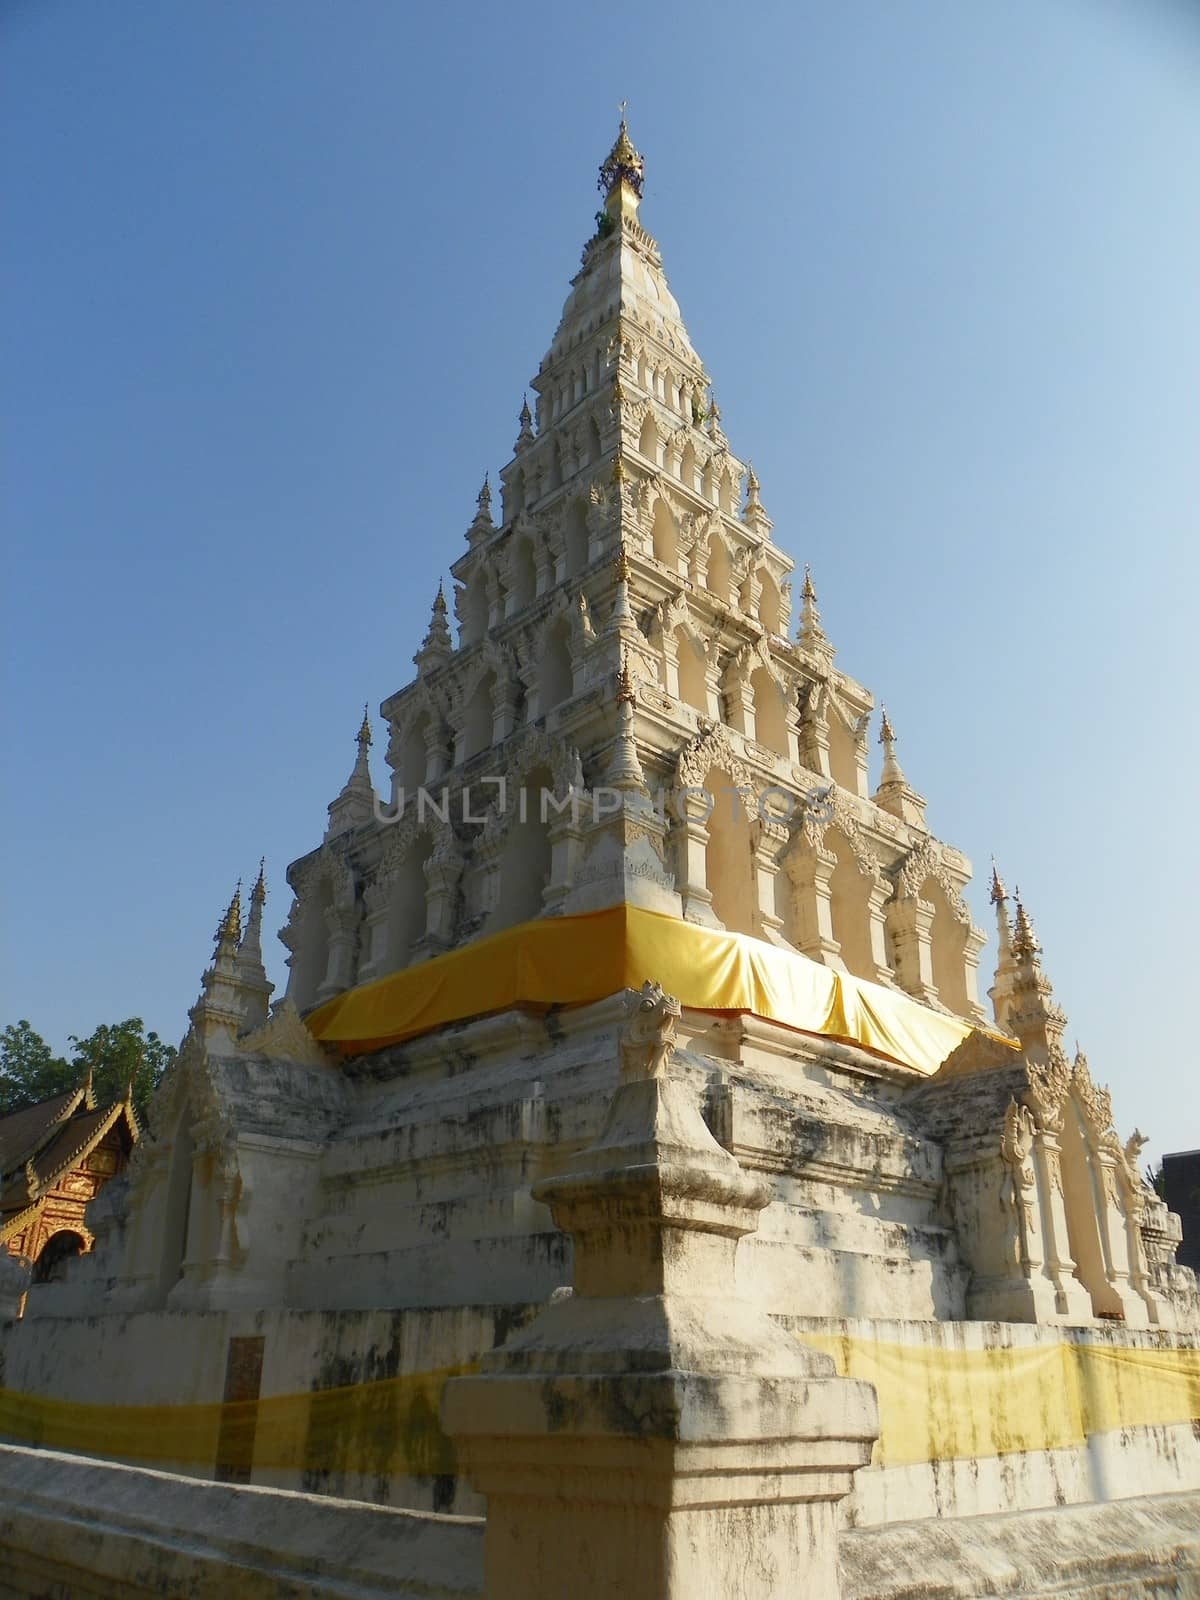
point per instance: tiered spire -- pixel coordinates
(1032, 1016)
(625, 770)
(356, 803)
(220, 1006)
(482, 527)
(895, 794)
(251, 973)
(1002, 989)
(810, 635)
(755, 516)
(526, 436)
(622, 175)
(438, 644)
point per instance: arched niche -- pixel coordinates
(719, 575)
(522, 572)
(478, 718)
(665, 536)
(693, 683)
(725, 493)
(575, 537)
(406, 904)
(687, 466)
(948, 944)
(648, 440)
(770, 712)
(850, 906)
(555, 677)
(410, 773)
(843, 758)
(769, 612)
(475, 607)
(525, 857)
(729, 869)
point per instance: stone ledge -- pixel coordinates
(1143, 1549)
(104, 1529)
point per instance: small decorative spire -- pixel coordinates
(355, 803)
(618, 471)
(714, 419)
(89, 1089)
(438, 644)
(887, 734)
(755, 516)
(999, 894)
(810, 635)
(625, 770)
(482, 525)
(895, 794)
(808, 592)
(1025, 944)
(229, 930)
(252, 976)
(526, 436)
(363, 737)
(625, 690)
(258, 894)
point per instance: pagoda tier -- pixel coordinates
(632, 549)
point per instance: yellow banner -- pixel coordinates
(565, 961)
(935, 1404)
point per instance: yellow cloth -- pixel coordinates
(565, 961)
(935, 1404)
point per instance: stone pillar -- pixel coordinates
(691, 865)
(810, 871)
(877, 899)
(1071, 1299)
(342, 922)
(376, 902)
(651, 1435)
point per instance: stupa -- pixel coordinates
(631, 808)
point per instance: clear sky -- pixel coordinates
(276, 273)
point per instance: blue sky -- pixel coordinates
(277, 272)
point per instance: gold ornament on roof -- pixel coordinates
(364, 732)
(887, 734)
(623, 164)
(621, 564)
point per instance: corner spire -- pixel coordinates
(438, 645)
(356, 803)
(755, 516)
(229, 929)
(482, 526)
(625, 770)
(1001, 991)
(526, 436)
(810, 635)
(895, 794)
(252, 975)
(1032, 1015)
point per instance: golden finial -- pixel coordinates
(999, 893)
(618, 471)
(259, 892)
(887, 734)
(808, 592)
(231, 923)
(364, 733)
(623, 164)
(621, 563)
(89, 1091)
(625, 691)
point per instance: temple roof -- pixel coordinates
(41, 1142)
(23, 1132)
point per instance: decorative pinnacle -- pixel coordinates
(752, 487)
(1025, 940)
(887, 734)
(621, 563)
(363, 736)
(623, 164)
(230, 926)
(618, 471)
(625, 691)
(525, 436)
(808, 592)
(259, 892)
(999, 893)
(484, 498)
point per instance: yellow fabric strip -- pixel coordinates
(935, 1404)
(564, 961)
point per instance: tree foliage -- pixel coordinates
(118, 1054)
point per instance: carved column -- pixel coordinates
(504, 708)
(877, 901)
(769, 839)
(342, 922)
(691, 851)
(375, 902)
(810, 869)
(443, 874)
(439, 745)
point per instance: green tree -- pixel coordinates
(118, 1054)
(29, 1069)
